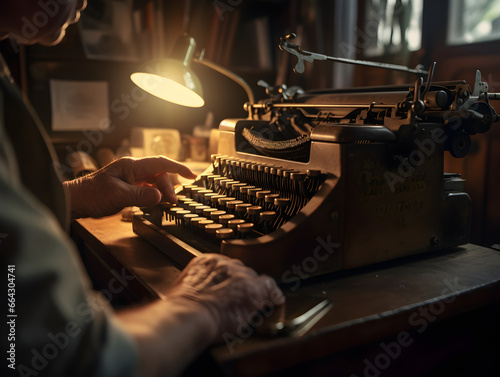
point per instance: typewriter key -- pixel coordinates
(262, 194)
(193, 193)
(231, 206)
(313, 173)
(207, 197)
(239, 184)
(266, 220)
(195, 224)
(166, 206)
(253, 210)
(207, 211)
(183, 202)
(267, 215)
(297, 176)
(274, 170)
(214, 199)
(200, 195)
(252, 193)
(216, 214)
(210, 181)
(217, 183)
(269, 201)
(224, 233)
(199, 210)
(179, 215)
(236, 189)
(233, 224)
(172, 211)
(193, 205)
(244, 189)
(194, 221)
(187, 189)
(223, 186)
(229, 185)
(241, 209)
(281, 202)
(260, 197)
(253, 213)
(244, 230)
(224, 219)
(202, 224)
(204, 179)
(223, 201)
(188, 218)
(211, 228)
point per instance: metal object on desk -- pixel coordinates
(298, 325)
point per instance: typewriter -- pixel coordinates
(320, 181)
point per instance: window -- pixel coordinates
(392, 26)
(471, 21)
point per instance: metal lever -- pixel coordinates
(282, 91)
(298, 325)
(308, 56)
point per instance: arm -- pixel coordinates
(52, 296)
(212, 297)
(124, 182)
(168, 335)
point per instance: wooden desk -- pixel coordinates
(424, 315)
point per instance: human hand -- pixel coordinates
(231, 294)
(125, 182)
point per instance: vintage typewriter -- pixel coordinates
(330, 180)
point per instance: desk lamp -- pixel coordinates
(173, 80)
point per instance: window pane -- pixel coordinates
(472, 21)
(392, 26)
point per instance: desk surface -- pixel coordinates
(402, 302)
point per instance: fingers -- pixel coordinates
(231, 293)
(154, 170)
(142, 196)
(216, 269)
(166, 187)
(143, 168)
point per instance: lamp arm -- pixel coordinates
(231, 75)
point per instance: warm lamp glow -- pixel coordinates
(173, 80)
(168, 89)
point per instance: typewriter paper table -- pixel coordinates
(407, 317)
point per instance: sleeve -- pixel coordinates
(59, 326)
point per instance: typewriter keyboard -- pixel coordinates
(241, 199)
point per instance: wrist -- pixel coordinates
(169, 334)
(198, 315)
(73, 188)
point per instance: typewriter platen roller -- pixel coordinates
(323, 181)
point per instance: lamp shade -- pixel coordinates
(172, 79)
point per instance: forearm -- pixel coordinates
(168, 334)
